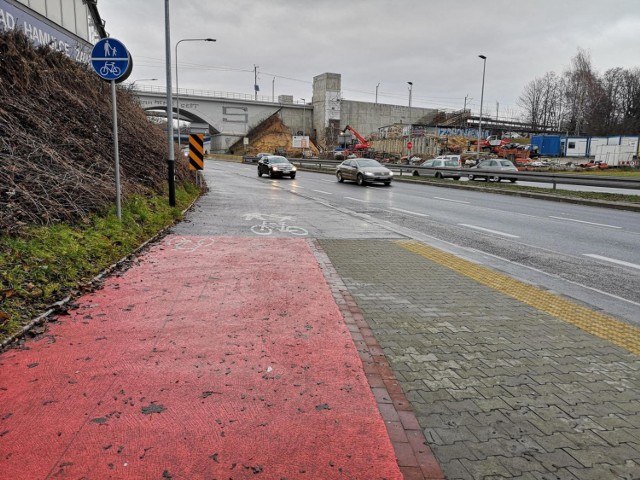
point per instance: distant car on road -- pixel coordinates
(493, 170)
(276, 166)
(445, 161)
(363, 171)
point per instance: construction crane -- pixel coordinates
(363, 144)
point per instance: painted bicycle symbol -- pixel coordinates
(187, 244)
(109, 67)
(274, 223)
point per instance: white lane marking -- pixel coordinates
(582, 221)
(328, 181)
(408, 211)
(475, 227)
(612, 260)
(322, 191)
(356, 199)
(451, 200)
(295, 185)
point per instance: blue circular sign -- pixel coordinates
(110, 59)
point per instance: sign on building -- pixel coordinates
(300, 141)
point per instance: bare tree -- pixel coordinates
(583, 102)
(542, 101)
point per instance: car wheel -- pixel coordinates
(271, 174)
(259, 172)
(438, 175)
(416, 173)
(456, 178)
(471, 177)
(387, 183)
(293, 175)
(360, 179)
(495, 179)
(513, 180)
(339, 177)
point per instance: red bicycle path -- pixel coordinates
(211, 357)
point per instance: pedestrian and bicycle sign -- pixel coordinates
(111, 60)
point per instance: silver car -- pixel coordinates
(433, 168)
(363, 171)
(494, 170)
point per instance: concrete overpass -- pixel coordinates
(229, 116)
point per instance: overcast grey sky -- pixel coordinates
(433, 44)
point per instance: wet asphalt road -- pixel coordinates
(586, 253)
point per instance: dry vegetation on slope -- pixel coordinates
(56, 141)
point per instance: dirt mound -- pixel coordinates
(270, 136)
(56, 141)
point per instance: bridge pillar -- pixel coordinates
(326, 108)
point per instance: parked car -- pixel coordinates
(444, 161)
(276, 166)
(363, 171)
(494, 170)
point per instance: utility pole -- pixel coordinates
(255, 81)
(273, 90)
(497, 109)
(377, 92)
(171, 161)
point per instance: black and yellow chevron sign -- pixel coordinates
(196, 151)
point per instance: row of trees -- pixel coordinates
(582, 102)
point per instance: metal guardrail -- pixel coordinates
(536, 177)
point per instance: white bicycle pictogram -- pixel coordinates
(109, 67)
(189, 245)
(274, 223)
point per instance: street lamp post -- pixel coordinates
(304, 111)
(171, 162)
(177, 89)
(410, 122)
(377, 92)
(304, 124)
(484, 66)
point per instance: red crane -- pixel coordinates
(363, 145)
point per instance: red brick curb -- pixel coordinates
(415, 458)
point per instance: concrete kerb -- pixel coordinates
(414, 456)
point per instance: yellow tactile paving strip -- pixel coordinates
(598, 324)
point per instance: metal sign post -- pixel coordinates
(116, 154)
(112, 62)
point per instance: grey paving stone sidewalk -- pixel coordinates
(501, 389)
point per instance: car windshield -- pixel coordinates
(505, 163)
(278, 160)
(365, 162)
(451, 163)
